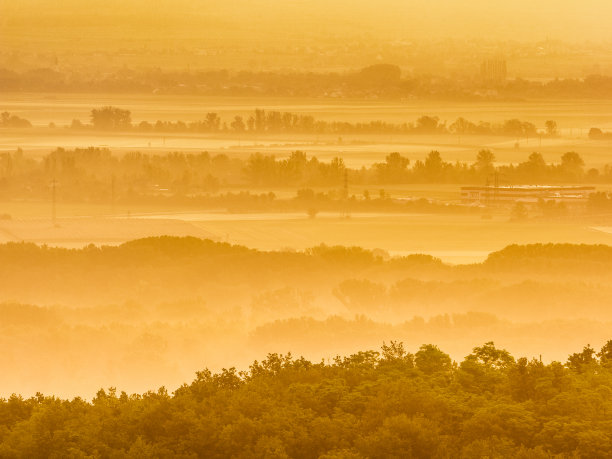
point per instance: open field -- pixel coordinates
(42, 108)
(574, 119)
(356, 150)
(452, 238)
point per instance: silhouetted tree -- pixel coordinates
(108, 118)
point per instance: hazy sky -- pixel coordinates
(569, 20)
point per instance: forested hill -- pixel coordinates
(389, 404)
(178, 250)
(157, 268)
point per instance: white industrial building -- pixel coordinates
(528, 194)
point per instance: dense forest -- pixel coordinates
(151, 312)
(387, 404)
(158, 269)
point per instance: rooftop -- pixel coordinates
(530, 187)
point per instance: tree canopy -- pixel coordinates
(389, 404)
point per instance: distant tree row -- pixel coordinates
(600, 201)
(111, 118)
(373, 404)
(13, 121)
(275, 122)
(299, 169)
(95, 174)
(598, 134)
(167, 265)
(376, 81)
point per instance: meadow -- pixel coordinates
(450, 237)
(42, 108)
(574, 119)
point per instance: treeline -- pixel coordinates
(598, 134)
(147, 343)
(376, 81)
(167, 266)
(97, 175)
(13, 121)
(522, 299)
(111, 118)
(276, 122)
(152, 311)
(374, 404)
(600, 201)
(396, 169)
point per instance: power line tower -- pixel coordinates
(491, 194)
(346, 213)
(495, 187)
(487, 194)
(54, 191)
(346, 184)
(53, 201)
(113, 195)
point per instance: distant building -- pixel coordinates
(493, 71)
(528, 194)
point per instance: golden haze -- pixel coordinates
(311, 229)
